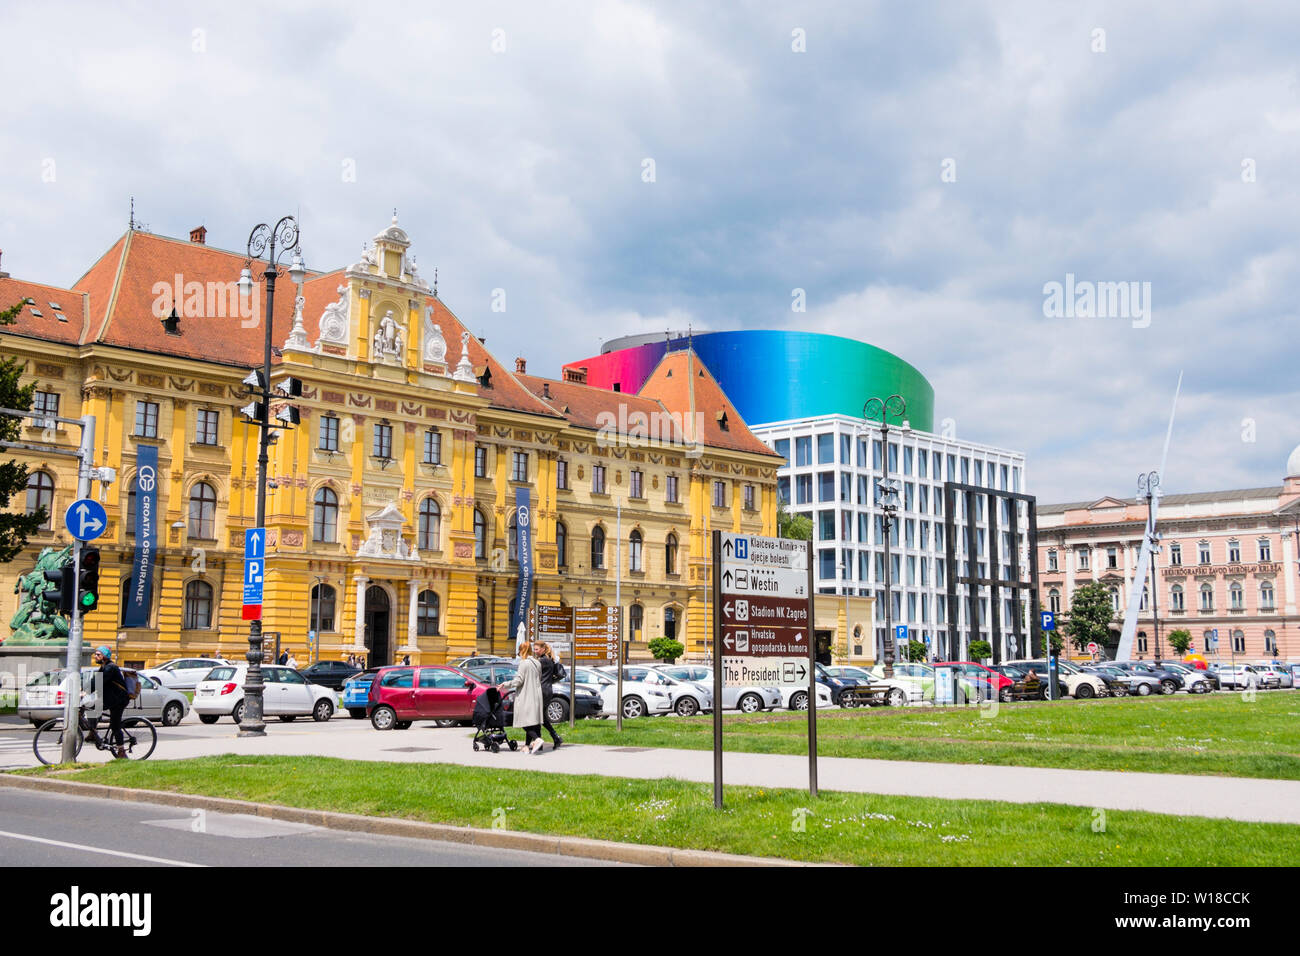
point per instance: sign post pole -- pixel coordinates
(573, 674)
(812, 684)
(72, 686)
(717, 670)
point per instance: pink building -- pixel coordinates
(1227, 565)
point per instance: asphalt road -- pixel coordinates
(44, 829)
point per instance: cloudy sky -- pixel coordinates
(921, 170)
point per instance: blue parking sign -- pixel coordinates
(900, 631)
(1049, 621)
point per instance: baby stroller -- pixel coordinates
(490, 722)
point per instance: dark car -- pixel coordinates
(1137, 683)
(1030, 682)
(839, 686)
(1170, 681)
(586, 701)
(331, 674)
(1187, 670)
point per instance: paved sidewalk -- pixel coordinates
(1267, 801)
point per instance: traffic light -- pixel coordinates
(88, 586)
(59, 596)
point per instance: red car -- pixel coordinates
(1000, 682)
(405, 693)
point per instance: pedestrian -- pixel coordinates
(406, 658)
(283, 658)
(528, 699)
(114, 696)
(290, 661)
(551, 671)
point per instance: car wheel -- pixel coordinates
(1004, 695)
(172, 714)
(323, 710)
(750, 704)
(897, 698)
(287, 718)
(445, 722)
(1144, 690)
(208, 718)
(557, 711)
(383, 718)
(1168, 686)
(799, 701)
(633, 707)
(1045, 693)
(1085, 691)
(238, 713)
(357, 712)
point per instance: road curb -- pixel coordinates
(604, 850)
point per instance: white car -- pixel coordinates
(285, 694)
(640, 697)
(1272, 669)
(183, 673)
(796, 697)
(1239, 676)
(689, 697)
(747, 700)
(42, 699)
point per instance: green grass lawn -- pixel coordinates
(1213, 734)
(836, 827)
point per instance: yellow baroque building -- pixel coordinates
(391, 509)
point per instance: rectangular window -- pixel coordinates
(1265, 551)
(864, 528)
(803, 450)
(480, 461)
(909, 529)
(205, 430)
(1112, 557)
(638, 481)
(1175, 554)
(598, 479)
(826, 449)
(826, 486)
(826, 570)
(328, 433)
(672, 488)
(965, 471)
(719, 494)
(846, 526)
(1082, 554)
(561, 474)
(826, 526)
(803, 489)
(146, 419)
(877, 454)
(1234, 552)
(846, 487)
(907, 461)
(846, 449)
(783, 490)
(923, 502)
(45, 404)
(925, 535)
(922, 469)
(382, 446)
(952, 468)
(893, 457)
(1203, 552)
(979, 472)
(433, 447)
(782, 447)
(519, 469)
(1002, 470)
(1051, 560)
(749, 497)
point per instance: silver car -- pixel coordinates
(42, 699)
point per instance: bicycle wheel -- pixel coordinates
(140, 737)
(48, 744)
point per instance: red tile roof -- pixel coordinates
(40, 320)
(586, 406)
(682, 383)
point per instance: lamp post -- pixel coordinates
(275, 241)
(877, 409)
(1149, 488)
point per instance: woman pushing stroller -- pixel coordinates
(527, 685)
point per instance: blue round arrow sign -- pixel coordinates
(86, 519)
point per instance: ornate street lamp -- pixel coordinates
(879, 410)
(275, 241)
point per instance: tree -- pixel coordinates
(14, 527)
(916, 651)
(979, 650)
(666, 649)
(1091, 614)
(1180, 640)
(796, 527)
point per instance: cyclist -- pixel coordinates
(115, 697)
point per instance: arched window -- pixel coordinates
(634, 551)
(670, 623)
(1142, 642)
(670, 554)
(132, 491)
(325, 520)
(40, 494)
(1266, 596)
(597, 548)
(1207, 597)
(1270, 642)
(1146, 598)
(198, 605)
(1236, 596)
(1176, 597)
(1054, 601)
(427, 611)
(561, 544)
(480, 534)
(430, 525)
(635, 621)
(203, 511)
(512, 537)
(1239, 642)
(1208, 641)
(322, 608)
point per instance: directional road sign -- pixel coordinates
(596, 634)
(765, 610)
(85, 519)
(254, 572)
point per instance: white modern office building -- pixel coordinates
(835, 463)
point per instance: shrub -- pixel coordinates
(666, 649)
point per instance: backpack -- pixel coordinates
(559, 673)
(131, 680)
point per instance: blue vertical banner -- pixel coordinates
(139, 597)
(524, 540)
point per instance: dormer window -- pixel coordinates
(722, 420)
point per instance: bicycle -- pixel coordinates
(139, 738)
